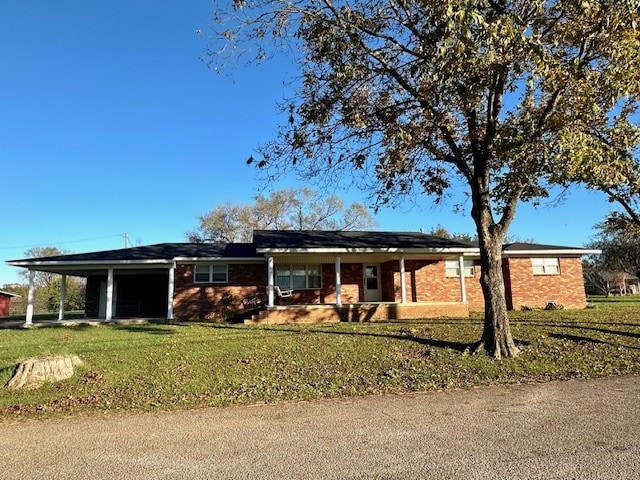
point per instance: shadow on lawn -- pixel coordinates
(579, 339)
(594, 329)
(429, 342)
(145, 329)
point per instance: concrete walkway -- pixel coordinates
(579, 429)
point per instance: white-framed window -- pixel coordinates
(298, 277)
(452, 268)
(215, 273)
(545, 266)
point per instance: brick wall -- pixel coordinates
(359, 313)
(532, 290)
(351, 283)
(426, 281)
(205, 301)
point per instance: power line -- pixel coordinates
(64, 243)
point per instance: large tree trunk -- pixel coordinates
(496, 337)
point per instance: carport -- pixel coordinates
(116, 288)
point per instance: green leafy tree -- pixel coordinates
(290, 209)
(605, 155)
(74, 294)
(413, 98)
(47, 285)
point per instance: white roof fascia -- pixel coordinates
(365, 250)
(87, 263)
(221, 259)
(565, 252)
(10, 294)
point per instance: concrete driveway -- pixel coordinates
(577, 429)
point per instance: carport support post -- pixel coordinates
(29, 317)
(109, 305)
(172, 281)
(338, 284)
(463, 286)
(403, 284)
(270, 281)
(63, 293)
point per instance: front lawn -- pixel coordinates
(147, 367)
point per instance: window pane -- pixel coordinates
(314, 277)
(468, 268)
(283, 277)
(545, 266)
(299, 278)
(452, 268)
(551, 266)
(219, 273)
(202, 273)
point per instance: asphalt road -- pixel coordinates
(578, 429)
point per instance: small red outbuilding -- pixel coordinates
(5, 302)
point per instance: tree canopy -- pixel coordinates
(47, 286)
(620, 255)
(419, 97)
(289, 209)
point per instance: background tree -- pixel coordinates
(47, 286)
(290, 209)
(620, 256)
(607, 158)
(440, 231)
(42, 279)
(419, 96)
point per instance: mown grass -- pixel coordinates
(149, 367)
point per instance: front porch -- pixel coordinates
(357, 312)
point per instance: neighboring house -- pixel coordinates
(315, 276)
(5, 302)
(606, 281)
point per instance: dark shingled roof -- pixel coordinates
(161, 251)
(532, 247)
(304, 239)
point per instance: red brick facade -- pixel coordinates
(524, 289)
(426, 282)
(194, 301)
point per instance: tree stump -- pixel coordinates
(33, 372)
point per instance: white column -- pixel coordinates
(338, 284)
(403, 283)
(463, 286)
(172, 280)
(63, 293)
(29, 317)
(109, 306)
(270, 281)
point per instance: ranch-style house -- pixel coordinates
(310, 277)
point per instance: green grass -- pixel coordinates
(150, 367)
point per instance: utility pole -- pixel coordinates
(126, 240)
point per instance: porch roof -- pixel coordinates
(148, 256)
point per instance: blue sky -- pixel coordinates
(111, 124)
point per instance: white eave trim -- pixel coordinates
(87, 263)
(9, 294)
(222, 259)
(559, 252)
(333, 250)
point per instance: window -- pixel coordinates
(210, 274)
(298, 277)
(452, 268)
(545, 266)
